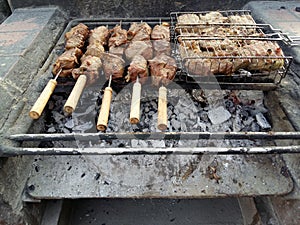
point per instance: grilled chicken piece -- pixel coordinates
(163, 69)
(161, 32)
(138, 68)
(139, 32)
(99, 35)
(68, 60)
(161, 46)
(143, 48)
(113, 65)
(272, 55)
(90, 66)
(242, 19)
(118, 36)
(188, 18)
(213, 17)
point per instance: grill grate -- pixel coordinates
(230, 46)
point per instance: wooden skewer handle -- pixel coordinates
(104, 110)
(42, 100)
(162, 117)
(135, 103)
(73, 99)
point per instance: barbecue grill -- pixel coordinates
(181, 162)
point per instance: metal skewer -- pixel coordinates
(105, 107)
(44, 97)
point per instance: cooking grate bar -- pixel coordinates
(156, 136)
(13, 151)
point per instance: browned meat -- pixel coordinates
(76, 37)
(143, 48)
(213, 17)
(66, 73)
(117, 50)
(242, 19)
(161, 46)
(95, 49)
(188, 18)
(163, 69)
(90, 66)
(113, 65)
(209, 66)
(79, 29)
(138, 68)
(118, 36)
(139, 32)
(161, 32)
(99, 35)
(68, 60)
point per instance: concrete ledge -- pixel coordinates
(26, 38)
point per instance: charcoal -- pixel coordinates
(51, 130)
(69, 124)
(262, 121)
(183, 126)
(218, 115)
(83, 127)
(248, 121)
(175, 124)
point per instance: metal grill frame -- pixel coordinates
(266, 80)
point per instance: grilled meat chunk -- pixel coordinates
(68, 60)
(117, 50)
(143, 48)
(79, 29)
(161, 32)
(90, 66)
(76, 37)
(95, 49)
(161, 46)
(99, 35)
(213, 17)
(113, 65)
(188, 18)
(163, 69)
(138, 68)
(139, 32)
(118, 36)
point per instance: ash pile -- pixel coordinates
(188, 111)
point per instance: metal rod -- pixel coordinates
(178, 151)
(156, 136)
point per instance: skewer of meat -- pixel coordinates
(90, 66)
(163, 70)
(63, 65)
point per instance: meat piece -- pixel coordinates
(213, 17)
(161, 32)
(118, 36)
(66, 72)
(272, 55)
(188, 18)
(67, 60)
(90, 66)
(113, 65)
(242, 19)
(99, 35)
(139, 32)
(161, 46)
(76, 37)
(95, 49)
(138, 68)
(206, 66)
(79, 29)
(117, 50)
(143, 48)
(163, 69)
